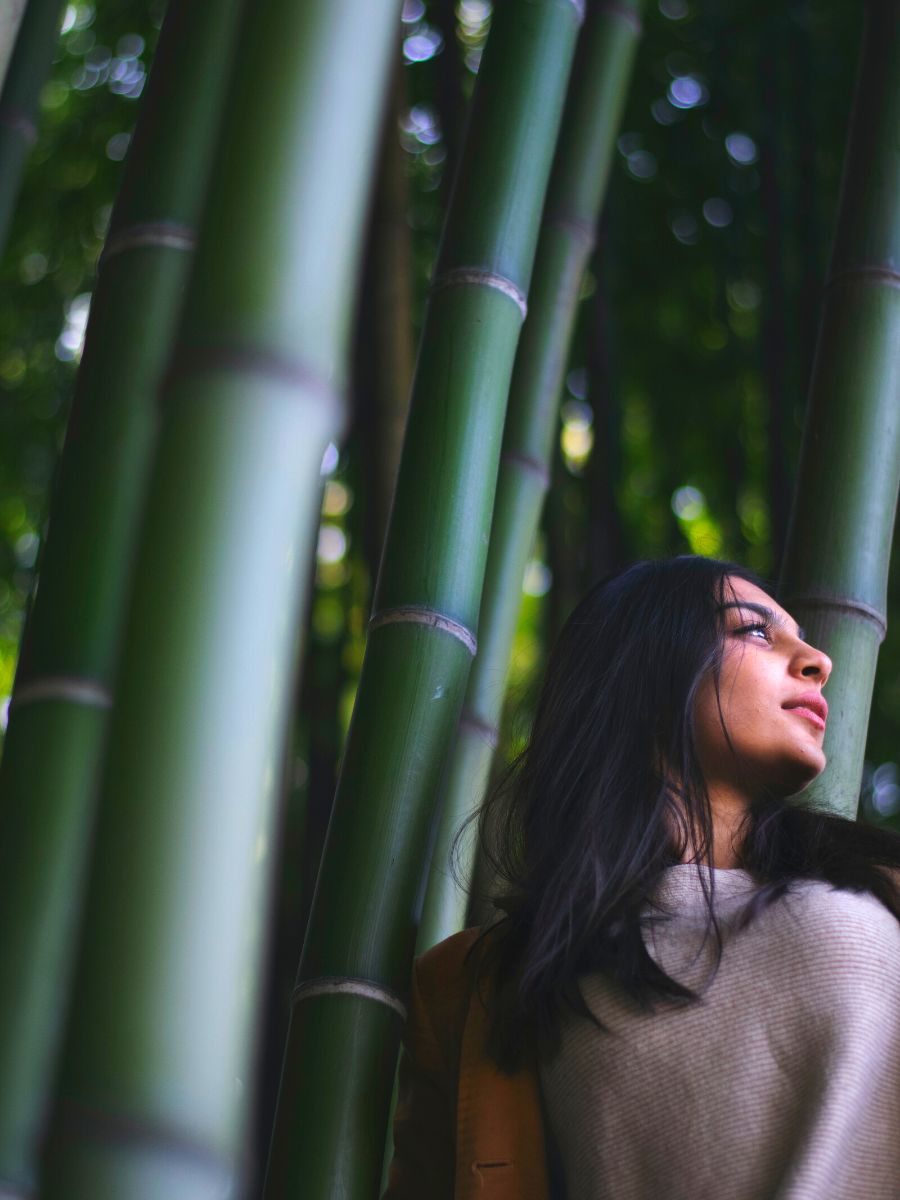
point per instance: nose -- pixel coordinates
(814, 664)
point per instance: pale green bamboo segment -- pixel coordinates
(10, 20)
(834, 579)
(157, 1070)
(593, 113)
(27, 67)
(63, 689)
(447, 901)
(354, 970)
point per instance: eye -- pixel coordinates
(758, 631)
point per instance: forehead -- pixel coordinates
(742, 590)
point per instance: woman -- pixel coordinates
(692, 988)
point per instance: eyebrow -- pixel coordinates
(763, 611)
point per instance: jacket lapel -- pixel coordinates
(500, 1150)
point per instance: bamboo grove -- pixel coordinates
(255, 277)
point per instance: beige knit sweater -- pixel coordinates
(783, 1083)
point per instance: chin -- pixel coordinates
(801, 773)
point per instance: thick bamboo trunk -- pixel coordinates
(25, 75)
(836, 562)
(157, 1066)
(593, 112)
(63, 690)
(10, 20)
(348, 1005)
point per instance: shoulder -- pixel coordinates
(844, 933)
(842, 912)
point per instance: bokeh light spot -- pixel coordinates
(329, 459)
(642, 164)
(741, 149)
(422, 45)
(332, 544)
(688, 503)
(537, 579)
(117, 146)
(717, 212)
(686, 91)
(685, 228)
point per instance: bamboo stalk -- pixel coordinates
(157, 1065)
(775, 167)
(834, 579)
(63, 690)
(578, 182)
(10, 20)
(386, 347)
(348, 1004)
(606, 543)
(29, 64)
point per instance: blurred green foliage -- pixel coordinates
(685, 396)
(88, 109)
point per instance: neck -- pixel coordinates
(728, 807)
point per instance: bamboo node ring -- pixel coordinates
(843, 604)
(77, 1122)
(867, 274)
(419, 615)
(143, 234)
(70, 688)
(207, 358)
(527, 462)
(458, 275)
(484, 729)
(348, 985)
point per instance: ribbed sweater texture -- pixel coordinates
(781, 1083)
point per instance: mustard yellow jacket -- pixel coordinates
(463, 1130)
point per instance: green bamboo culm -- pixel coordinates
(834, 577)
(26, 73)
(63, 689)
(157, 1066)
(348, 1003)
(591, 119)
(10, 20)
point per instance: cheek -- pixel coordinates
(707, 724)
(750, 692)
(785, 753)
(739, 703)
(747, 695)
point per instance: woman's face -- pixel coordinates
(770, 691)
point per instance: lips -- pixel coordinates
(810, 705)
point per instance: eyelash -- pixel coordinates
(764, 626)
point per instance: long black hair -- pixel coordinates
(579, 831)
